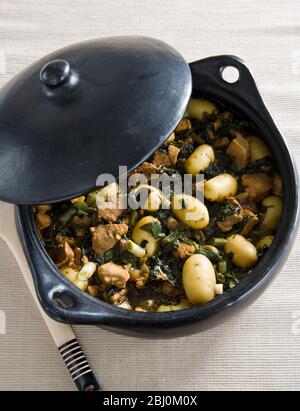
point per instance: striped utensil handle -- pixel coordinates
(78, 366)
(62, 334)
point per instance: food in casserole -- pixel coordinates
(155, 258)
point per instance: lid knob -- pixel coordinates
(55, 73)
(118, 97)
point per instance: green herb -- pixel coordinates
(260, 232)
(167, 170)
(181, 135)
(154, 228)
(220, 278)
(229, 128)
(163, 214)
(212, 230)
(262, 251)
(208, 134)
(218, 242)
(200, 126)
(232, 277)
(49, 243)
(62, 230)
(126, 257)
(228, 208)
(120, 256)
(256, 166)
(161, 270)
(213, 170)
(222, 266)
(166, 299)
(91, 199)
(84, 209)
(199, 236)
(109, 255)
(208, 253)
(239, 226)
(226, 162)
(112, 291)
(186, 239)
(186, 148)
(98, 259)
(171, 241)
(237, 275)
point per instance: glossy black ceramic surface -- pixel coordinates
(85, 110)
(64, 302)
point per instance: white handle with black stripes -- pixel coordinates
(62, 334)
(78, 366)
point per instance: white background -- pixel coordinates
(258, 349)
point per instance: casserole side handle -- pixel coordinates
(59, 298)
(209, 78)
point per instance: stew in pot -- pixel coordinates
(173, 250)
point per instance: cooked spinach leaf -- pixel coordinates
(154, 228)
(161, 270)
(256, 166)
(213, 170)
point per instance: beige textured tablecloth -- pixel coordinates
(258, 349)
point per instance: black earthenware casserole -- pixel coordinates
(64, 302)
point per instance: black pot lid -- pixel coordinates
(85, 110)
